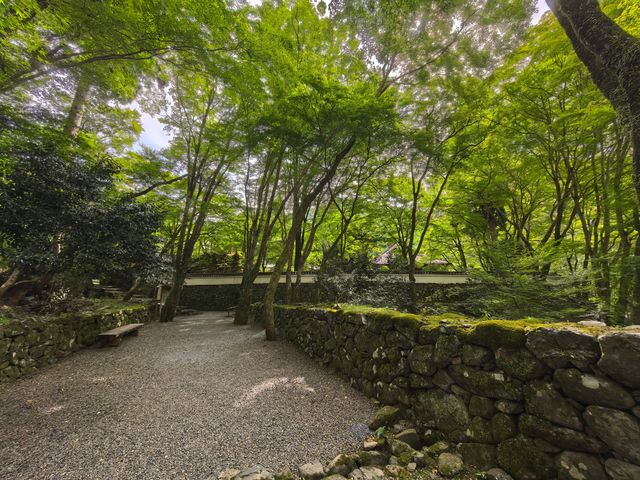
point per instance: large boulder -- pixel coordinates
(519, 363)
(619, 430)
(619, 470)
(521, 457)
(544, 401)
(449, 464)
(592, 390)
(486, 384)
(562, 437)
(621, 357)
(562, 348)
(579, 466)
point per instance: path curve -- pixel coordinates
(183, 400)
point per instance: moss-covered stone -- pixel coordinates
(481, 406)
(385, 417)
(478, 455)
(503, 427)
(564, 438)
(479, 430)
(446, 348)
(519, 363)
(448, 411)
(486, 384)
(495, 334)
(420, 360)
(521, 457)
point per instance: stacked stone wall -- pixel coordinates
(540, 401)
(26, 345)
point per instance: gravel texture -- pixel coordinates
(182, 400)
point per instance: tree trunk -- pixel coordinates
(10, 282)
(173, 298)
(241, 316)
(635, 304)
(413, 294)
(132, 290)
(78, 106)
(272, 288)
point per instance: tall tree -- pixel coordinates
(612, 56)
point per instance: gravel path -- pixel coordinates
(181, 401)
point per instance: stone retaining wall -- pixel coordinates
(539, 401)
(26, 345)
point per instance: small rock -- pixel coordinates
(385, 417)
(341, 465)
(395, 471)
(449, 464)
(370, 445)
(311, 471)
(228, 473)
(579, 466)
(437, 448)
(367, 473)
(410, 437)
(412, 467)
(335, 477)
(284, 474)
(498, 474)
(372, 458)
(420, 459)
(592, 323)
(508, 407)
(257, 472)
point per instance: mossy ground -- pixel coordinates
(492, 333)
(101, 306)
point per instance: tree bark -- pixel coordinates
(9, 282)
(171, 303)
(78, 107)
(612, 57)
(132, 290)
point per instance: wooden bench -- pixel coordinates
(231, 310)
(113, 337)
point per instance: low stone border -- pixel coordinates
(540, 401)
(26, 345)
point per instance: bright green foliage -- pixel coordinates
(308, 134)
